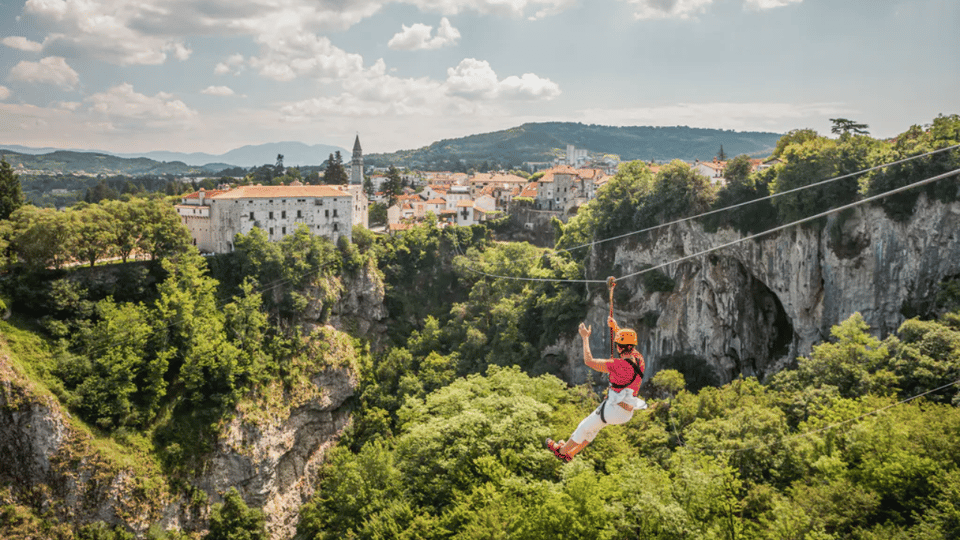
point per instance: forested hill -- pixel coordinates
(536, 142)
(65, 161)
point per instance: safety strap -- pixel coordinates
(636, 372)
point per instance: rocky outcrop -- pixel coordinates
(754, 307)
(272, 455)
(271, 451)
(59, 469)
(353, 304)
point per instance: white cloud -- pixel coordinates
(769, 4)
(50, 70)
(217, 91)
(233, 64)
(529, 86)
(417, 37)
(4, 93)
(288, 55)
(472, 90)
(687, 9)
(150, 32)
(504, 8)
(668, 9)
(22, 43)
(107, 30)
(121, 108)
(475, 79)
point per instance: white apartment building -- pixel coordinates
(214, 218)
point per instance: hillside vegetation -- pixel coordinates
(542, 142)
(64, 161)
(452, 409)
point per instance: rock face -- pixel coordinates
(273, 462)
(270, 451)
(754, 307)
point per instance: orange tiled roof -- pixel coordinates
(436, 201)
(264, 192)
(717, 166)
(206, 194)
(530, 190)
(464, 202)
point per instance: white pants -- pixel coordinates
(612, 412)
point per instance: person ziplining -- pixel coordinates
(625, 367)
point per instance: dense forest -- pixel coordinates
(857, 441)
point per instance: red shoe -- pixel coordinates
(555, 448)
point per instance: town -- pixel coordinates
(558, 189)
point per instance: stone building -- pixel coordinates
(215, 217)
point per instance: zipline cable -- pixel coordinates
(765, 198)
(732, 243)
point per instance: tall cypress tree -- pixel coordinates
(335, 174)
(11, 192)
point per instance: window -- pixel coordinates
(299, 213)
(271, 215)
(283, 214)
(334, 212)
(334, 227)
(326, 213)
(283, 230)
(271, 231)
(251, 215)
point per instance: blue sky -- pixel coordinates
(213, 75)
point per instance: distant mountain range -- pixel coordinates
(534, 142)
(294, 153)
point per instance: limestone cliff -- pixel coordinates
(270, 450)
(754, 307)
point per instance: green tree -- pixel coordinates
(234, 520)
(393, 186)
(738, 170)
(795, 136)
(128, 223)
(192, 337)
(164, 235)
(855, 363)
(111, 367)
(11, 192)
(721, 155)
(679, 191)
(96, 231)
(378, 214)
(335, 174)
(843, 126)
(100, 192)
(42, 237)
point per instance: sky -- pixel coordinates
(214, 75)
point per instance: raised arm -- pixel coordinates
(597, 365)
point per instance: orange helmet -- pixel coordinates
(626, 336)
